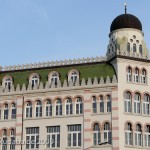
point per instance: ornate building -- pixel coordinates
(84, 104)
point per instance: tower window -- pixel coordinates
(140, 49)
(134, 48)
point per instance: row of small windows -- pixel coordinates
(136, 76)
(140, 106)
(140, 49)
(101, 105)
(34, 78)
(137, 137)
(57, 109)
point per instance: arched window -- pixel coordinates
(138, 135)
(136, 75)
(128, 134)
(128, 102)
(108, 103)
(7, 82)
(96, 134)
(134, 48)
(79, 106)
(58, 107)
(48, 108)
(140, 49)
(146, 104)
(5, 111)
(107, 133)
(143, 77)
(28, 110)
(128, 47)
(94, 103)
(129, 74)
(12, 138)
(4, 137)
(137, 103)
(13, 111)
(69, 109)
(73, 75)
(34, 80)
(147, 136)
(38, 109)
(53, 77)
(101, 103)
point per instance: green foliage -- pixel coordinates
(87, 70)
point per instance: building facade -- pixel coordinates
(81, 104)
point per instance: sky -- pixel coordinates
(45, 30)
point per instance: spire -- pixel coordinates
(125, 4)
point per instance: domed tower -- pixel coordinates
(126, 37)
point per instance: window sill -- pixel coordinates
(52, 117)
(146, 84)
(105, 113)
(141, 115)
(68, 148)
(52, 149)
(137, 147)
(100, 146)
(7, 120)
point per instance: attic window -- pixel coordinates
(73, 75)
(53, 77)
(34, 79)
(7, 82)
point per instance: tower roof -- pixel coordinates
(126, 21)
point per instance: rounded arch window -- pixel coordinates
(140, 49)
(34, 79)
(73, 76)
(128, 47)
(53, 77)
(134, 48)
(7, 81)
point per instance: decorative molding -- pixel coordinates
(84, 83)
(54, 63)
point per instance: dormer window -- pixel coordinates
(34, 79)
(73, 75)
(53, 77)
(7, 82)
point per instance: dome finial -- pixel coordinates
(125, 4)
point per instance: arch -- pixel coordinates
(93, 96)
(77, 96)
(58, 97)
(136, 123)
(32, 74)
(73, 70)
(28, 100)
(106, 121)
(93, 123)
(128, 121)
(67, 97)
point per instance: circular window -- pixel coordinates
(131, 40)
(134, 36)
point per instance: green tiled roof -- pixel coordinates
(87, 70)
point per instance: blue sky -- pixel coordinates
(44, 30)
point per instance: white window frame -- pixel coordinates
(48, 108)
(136, 76)
(6, 112)
(147, 136)
(94, 104)
(128, 102)
(107, 133)
(4, 138)
(38, 109)
(7, 82)
(101, 104)
(108, 101)
(128, 134)
(146, 104)
(73, 76)
(137, 103)
(32, 133)
(13, 111)
(29, 108)
(79, 106)
(12, 138)
(69, 106)
(58, 107)
(53, 77)
(129, 74)
(144, 77)
(53, 137)
(74, 136)
(138, 135)
(96, 134)
(34, 79)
